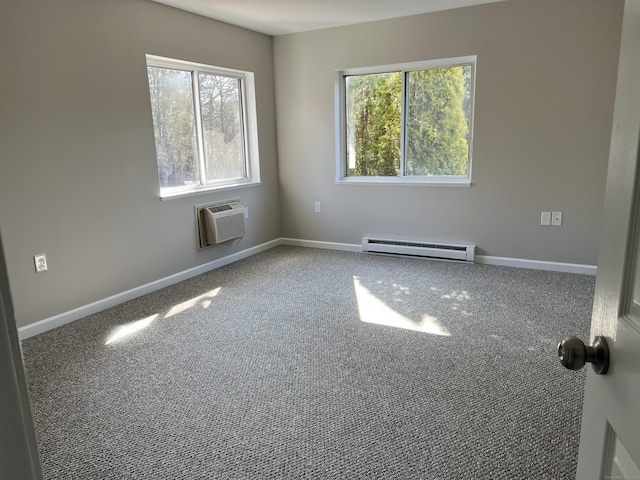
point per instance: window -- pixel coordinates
(408, 123)
(204, 124)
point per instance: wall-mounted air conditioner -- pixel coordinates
(220, 223)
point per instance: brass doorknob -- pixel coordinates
(574, 354)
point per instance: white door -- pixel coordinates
(610, 436)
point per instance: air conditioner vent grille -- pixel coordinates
(219, 208)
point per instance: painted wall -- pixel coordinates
(545, 88)
(78, 176)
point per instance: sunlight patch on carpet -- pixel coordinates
(373, 310)
(130, 328)
(205, 298)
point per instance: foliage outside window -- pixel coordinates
(409, 122)
(202, 136)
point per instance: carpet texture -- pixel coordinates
(276, 367)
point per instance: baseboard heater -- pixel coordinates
(437, 251)
(220, 223)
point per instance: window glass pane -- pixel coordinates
(221, 113)
(439, 109)
(373, 124)
(174, 126)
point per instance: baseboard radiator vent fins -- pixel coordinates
(220, 223)
(437, 251)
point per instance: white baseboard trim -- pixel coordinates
(296, 242)
(486, 259)
(537, 264)
(95, 307)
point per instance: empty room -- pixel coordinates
(319, 239)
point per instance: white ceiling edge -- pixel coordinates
(280, 17)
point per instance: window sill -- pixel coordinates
(404, 181)
(179, 193)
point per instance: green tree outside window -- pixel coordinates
(436, 111)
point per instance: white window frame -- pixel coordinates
(402, 179)
(249, 125)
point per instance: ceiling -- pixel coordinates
(278, 17)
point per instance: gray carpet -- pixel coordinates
(270, 373)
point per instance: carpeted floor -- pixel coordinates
(277, 367)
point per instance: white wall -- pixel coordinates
(78, 175)
(544, 102)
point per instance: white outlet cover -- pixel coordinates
(556, 218)
(545, 218)
(40, 261)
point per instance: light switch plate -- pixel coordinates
(556, 218)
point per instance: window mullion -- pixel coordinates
(243, 124)
(202, 163)
(404, 114)
(341, 132)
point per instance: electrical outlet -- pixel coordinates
(41, 262)
(545, 218)
(556, 218)
(318, 208)
(246, 212)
